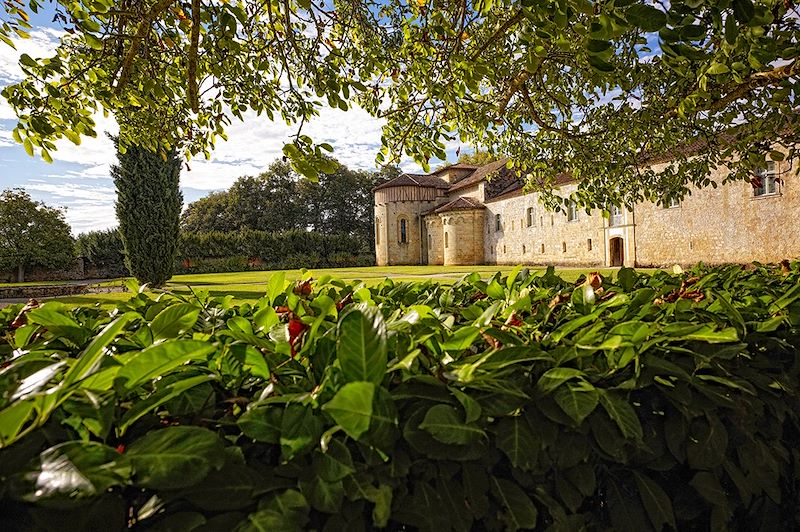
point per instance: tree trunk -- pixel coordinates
(21, 273)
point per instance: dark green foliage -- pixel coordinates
(32, 234)
(632, 403)
(280, 200)
(148, 205)
(103, 249)
(248, 249)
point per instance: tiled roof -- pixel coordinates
(414, 180)
(479, 175)
(456, 166)
(515, 188)
(458, 204)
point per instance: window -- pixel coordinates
(403, 231)
(541, 221)
(672, 203)
(512, 225)
(530, 216)
(378, 231)
(542, 248)
(504, 248)
(589, 244)
(552, 220)
(572, 211)
(523, 249)
(563, 247)
(764, 182)
(446, 240)
(430, 241)
(616, 216)
(497, 223)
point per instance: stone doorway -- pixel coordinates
(616, 251)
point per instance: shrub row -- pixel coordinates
(629, 403)
(238, 251)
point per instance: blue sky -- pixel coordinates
(79, 179)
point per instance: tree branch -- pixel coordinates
(508, 24)
(192, 66)
(144, 27)
(755, 81)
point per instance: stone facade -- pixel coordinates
(478, 215)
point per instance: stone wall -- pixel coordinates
(435, 247)
(389, 249)
(722, 225)
(550, 239)
(463, 237)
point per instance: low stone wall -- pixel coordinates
(54, 290)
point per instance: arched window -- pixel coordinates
(497, 222)
(446, 240)
(530, 216)
(403, 231)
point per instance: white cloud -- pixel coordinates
(88, 207)
(252, 146)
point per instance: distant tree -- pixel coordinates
(477, 158)
(209, 213)
(103, 248)
(148, 209)
(32, 234)
(268, 202)
(279, 200)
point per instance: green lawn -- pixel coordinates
(250, 286)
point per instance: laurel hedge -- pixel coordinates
(523, 402)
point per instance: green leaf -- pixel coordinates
(361, 344)
(709, 488)
(555, 377)
(169, 392)
(351, 407)
(577, 400)
(717, 68)
(646, 17)
(262, 423)
(708, 334)
(518, 441)
(174, 320)
(90, 359)
(174, 457)
(627, 515)
(743, 10)
(158, 360)
(28, 145)
(656, 502)
(461, 339)
(276, 284)
(731, 30)
(444, 423)
(300, 430)
(12, 420)
(284, 512)
(71, 470)
(519, 511)
(707, 443)
(623, 414)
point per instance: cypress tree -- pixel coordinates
(148, 206)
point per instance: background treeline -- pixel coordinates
(275, 220)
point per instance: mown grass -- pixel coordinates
(251, 285)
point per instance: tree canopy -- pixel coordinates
(279, 199)
(32, 234)
(592, 88)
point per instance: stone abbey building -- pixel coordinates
(464, 214)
